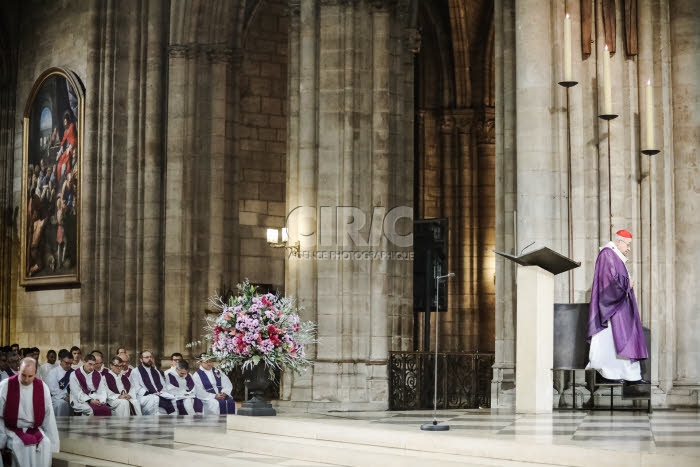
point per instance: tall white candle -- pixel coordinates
(567, 48)
(606, 82)
(650, 116)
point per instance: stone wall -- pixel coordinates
(262, 143)
(50, 36)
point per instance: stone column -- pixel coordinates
(685, 43)
(463, 265)
(502, 394)
(449, 328)
(301, 276)
(536, 209)
(485, 243)
(8, 216)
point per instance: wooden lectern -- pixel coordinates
(535, 336)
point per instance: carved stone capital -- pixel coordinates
(294, 7)
(464, 119)
(177, 51)
(219, 54)
(447, 125)
(412, 39)
(486, 132)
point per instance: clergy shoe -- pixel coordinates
(641, 381)
(600, 379)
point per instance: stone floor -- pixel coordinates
(672, 432)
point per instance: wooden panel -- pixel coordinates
(586, 27)
(631, 27)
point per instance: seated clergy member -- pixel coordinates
(29, 426)
(50, 364)
(13, 359)
(58, 382)
(99, 362)
(174, 358)
(213, 388)
(87, 391)
(183, 388)
(77, 355)
(126, 367)
(150, 387)
(121, 396)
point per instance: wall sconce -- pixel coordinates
(273, 239)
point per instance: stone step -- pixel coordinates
(64, 459)
(360, 443)
(335, 453)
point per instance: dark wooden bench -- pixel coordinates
(571, 353)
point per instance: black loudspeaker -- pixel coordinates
(429, 261)
(570, 332)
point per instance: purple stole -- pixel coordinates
(64, 383)
(226, 406)
(32, 435)
(163, 403)
(198, 406)
(112, 385)
(101, 410)
(9, 372)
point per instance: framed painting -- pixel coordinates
(51, 165)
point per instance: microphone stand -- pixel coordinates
(434, 425)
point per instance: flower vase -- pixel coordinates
(256, 381)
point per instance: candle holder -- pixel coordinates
(567, 85)
(607, 118)
(650, 152)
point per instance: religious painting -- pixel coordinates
(51, 166)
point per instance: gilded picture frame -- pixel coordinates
(51, 168)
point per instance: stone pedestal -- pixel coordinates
(534, 346)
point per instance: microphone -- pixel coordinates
(452, 274)
(521, 251)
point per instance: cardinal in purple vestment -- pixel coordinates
(614, 326)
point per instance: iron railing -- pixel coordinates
(464, 380)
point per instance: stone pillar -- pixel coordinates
(537, 211)
(449, 323)
(485, 242)
(341, 157)
(685, 42)
(8, 216)
(502, 393)
(301, 276)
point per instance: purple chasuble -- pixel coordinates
(613, 299)
(33, 435)
(163, 403)
(99, 410)
(226, 406)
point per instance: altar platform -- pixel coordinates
(476, 438)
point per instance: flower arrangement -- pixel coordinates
(253, 328)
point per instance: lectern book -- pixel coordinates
(546, 258)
